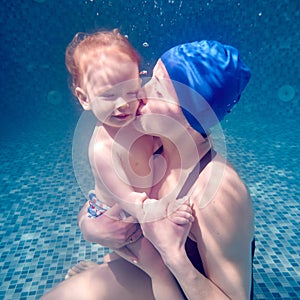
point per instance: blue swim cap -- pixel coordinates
(214, 71)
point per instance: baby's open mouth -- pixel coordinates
(122, 116)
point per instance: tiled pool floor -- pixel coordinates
(40, 199)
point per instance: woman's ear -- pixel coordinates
(82, 98)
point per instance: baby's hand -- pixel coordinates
(154, 210)
(182, 215)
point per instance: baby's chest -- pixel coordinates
(137, 158)
(165, 183)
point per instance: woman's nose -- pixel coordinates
(150, 88)
(142, 96)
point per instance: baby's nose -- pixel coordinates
(121, 102)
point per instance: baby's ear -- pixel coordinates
(82, 98)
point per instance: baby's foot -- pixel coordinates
(183, 215)
(80, 267)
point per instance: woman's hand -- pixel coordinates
(108, 229)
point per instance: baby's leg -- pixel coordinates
(109, 281)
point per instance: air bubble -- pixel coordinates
(286, 93)
(54, 97)
(143, 72)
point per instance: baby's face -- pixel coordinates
(112, 83)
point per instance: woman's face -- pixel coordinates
(159, 94)
(160, 101)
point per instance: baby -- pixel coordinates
(105, 79)
(104, 69)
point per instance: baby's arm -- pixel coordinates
(127, 176)
(177, 210)
(122, 177)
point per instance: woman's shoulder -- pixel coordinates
(219, 186)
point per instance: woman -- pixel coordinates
(212, 258)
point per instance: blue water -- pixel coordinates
(40, 197)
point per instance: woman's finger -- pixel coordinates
(137, 234)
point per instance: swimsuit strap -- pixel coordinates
(193, 176)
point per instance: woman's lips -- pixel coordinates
(140, 108)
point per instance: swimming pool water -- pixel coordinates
(40, 198)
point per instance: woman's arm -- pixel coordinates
(163, 282)
(171, 247)
(109, 229)
(113, 233)
(223, 231)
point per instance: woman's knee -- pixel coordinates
(86, 285)
(105, 282)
